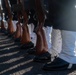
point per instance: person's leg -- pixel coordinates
(2, 26)
(67, 57)
(39, 43)
(68, 52)
(5, 24)
(25, 39)
(33, 35)
(14, 24)
(29, 28)
(48, 31)
(25, 35)
(10, 27)
(56, 42)
(45, 45)
(55, 47)
(42, 48)
(18, 33)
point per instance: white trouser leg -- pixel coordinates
(29, 27)
(5, 24)
(48, 31)
(56, 42)
(14, 24)
(32, 34)
(68, 52)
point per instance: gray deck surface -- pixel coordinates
(14, 61)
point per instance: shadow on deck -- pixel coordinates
(14, 61)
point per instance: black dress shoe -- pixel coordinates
(6, 32)
(2, 30)
(46, 57)
(11, 35)
(32, 51)
(58, 65)
(27, 46)
(17, 40)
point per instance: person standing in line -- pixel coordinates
(63, 17)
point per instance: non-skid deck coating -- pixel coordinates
(14, 61)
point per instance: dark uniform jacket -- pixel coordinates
(62, 14)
